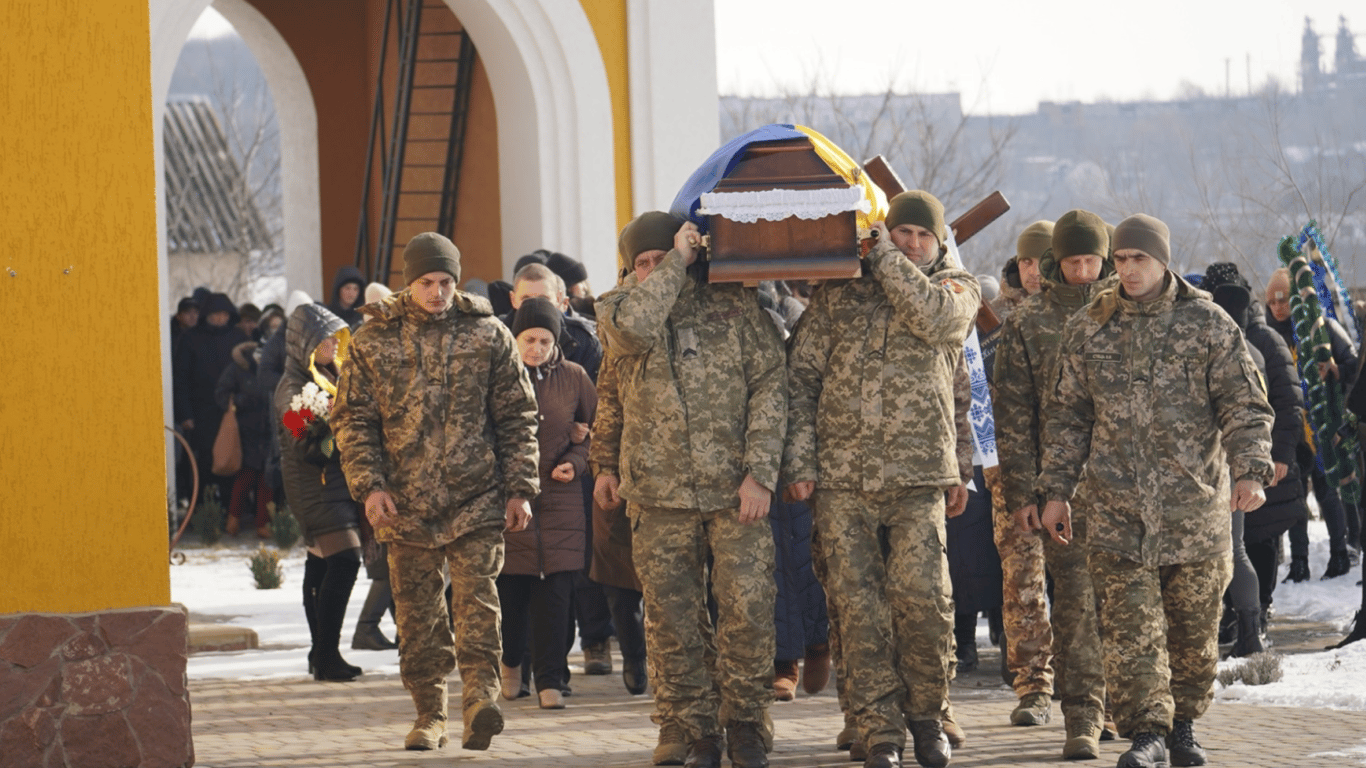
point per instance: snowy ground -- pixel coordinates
(216, 585)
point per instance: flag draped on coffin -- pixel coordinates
(724, 160)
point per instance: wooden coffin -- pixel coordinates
(792, 248)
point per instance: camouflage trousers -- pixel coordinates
(894, 604)
(428, 651)
(833, 615)
(1077, 656)
(692, 689)
(1024, 610)
(1160, 627)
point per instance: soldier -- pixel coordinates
(1158, 398)
(873, 445)
(436, 421)
(1026, 366)
(704, 403)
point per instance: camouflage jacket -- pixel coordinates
(1161, 403)
(1026, 366)
(438, 411)
(871, 370)
(603, 453)
(702, 388)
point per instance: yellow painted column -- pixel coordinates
(608, 19)
(82, 479)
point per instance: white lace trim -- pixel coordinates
(779, 204)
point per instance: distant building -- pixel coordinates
(1349, 67)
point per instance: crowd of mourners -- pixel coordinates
(756, 489)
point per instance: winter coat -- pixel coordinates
(316, 494)
(871, 373)
(702, 389)
(556, 539)
(1344, 352)
(799, 613)
(351, 316)
(578, 341)
(612, 563)
(1162, 405)
(438, 411)
(200, 357)
(239, 386)
(974, 564)
(1026, 368)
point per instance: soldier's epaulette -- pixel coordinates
(472, 304)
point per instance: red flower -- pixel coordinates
(296, 424)
(307, 415)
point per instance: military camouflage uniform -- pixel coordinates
(1162, 404)
(704, 403)
(871, 373)
(438, 411)
(1026, 367)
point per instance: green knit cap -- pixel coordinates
(1034, 240)
(650, 231)
(1145, 233)
(1078, 233)
(430, 252)
(919, 208)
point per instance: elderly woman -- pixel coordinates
(536, 585)
(315, 348)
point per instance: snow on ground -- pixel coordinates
(216, 585)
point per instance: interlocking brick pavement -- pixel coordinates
(240, 723)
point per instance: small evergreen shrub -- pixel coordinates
(1257, 669)
(266, 569)
(284, 528)
(208, 517)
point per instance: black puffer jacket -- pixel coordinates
(200, 357)
(350, 315)
(321, 506)
(1344, 351)
(1284, 501)
(240, 387)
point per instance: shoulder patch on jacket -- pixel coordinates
(952, 285)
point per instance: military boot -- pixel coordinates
(672, 748)
(1034, 709)
(957, 736)
(886, 755)
(784, 680)
(1146, 751)
(483, 721)
(745, 745)
(704, 753)
(429, 731)
(1299, 570)
(1083, 740)
(1182, 746)
(847, 736)
(932, 748)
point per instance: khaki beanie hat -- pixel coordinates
(650, 231)
(1078, 233)
(430, 252)
(1034, 240)
(1145, 233)
(919, 208)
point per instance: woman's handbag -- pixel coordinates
(227, 447)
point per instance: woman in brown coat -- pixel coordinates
(536, 584)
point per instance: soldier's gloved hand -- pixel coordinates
(1057, 520)
(1247, 495)
(380, 509)
(686, 241)
(799, 491)
(605, 491)
(1027, 518)
(956, 501)
(754, 500)
(518, 515)
(1281, 469)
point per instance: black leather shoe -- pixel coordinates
(932, 748)
(633, 675)
(1147, 751)
(1299, 571)
(745, 745)
(885, 755)
(1182, 748)
(704, 753)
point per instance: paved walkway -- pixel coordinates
(362, 723)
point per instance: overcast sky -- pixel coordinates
(1005, 56)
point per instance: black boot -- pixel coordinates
(965, 636)
(1339, 564)
(885, 755)
(333, 596)
(368, 636)
(1228, 626)
(1182, 747)
(1249, 630)
(745, 745)
(314, 569)
(1146, 751)
(704, 753)
(1299, 570)
(996, 627)
(932, 748)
